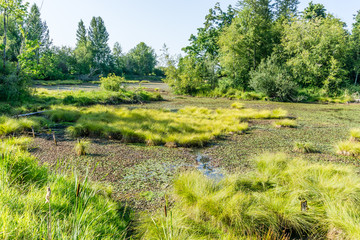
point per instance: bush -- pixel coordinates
(13, 87)
(274, 81)
(111, 82)
(5, 108)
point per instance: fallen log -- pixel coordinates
(29, 114)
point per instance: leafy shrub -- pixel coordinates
(69, 100)
(13, 86)
(5, 108)
(111, 83)
(273, 80)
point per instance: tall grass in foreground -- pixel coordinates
(189, 127)
(262, 202)
(79, 208)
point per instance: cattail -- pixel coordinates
(48, 195)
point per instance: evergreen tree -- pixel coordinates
(314, 11)
(285, 8)
(37, 30)
(81, 36)
(82, 52)
(98, 40)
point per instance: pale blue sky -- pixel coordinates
(154, 22)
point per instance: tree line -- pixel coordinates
(28, 52)
(272, 48)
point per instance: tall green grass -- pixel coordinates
(266, 200)
(79, 208)
(11, 125)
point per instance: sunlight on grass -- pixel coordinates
(79, 208)
(262, 201)
(189, 127)
(285, 123)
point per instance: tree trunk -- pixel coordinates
(356, 78)
(5, 31)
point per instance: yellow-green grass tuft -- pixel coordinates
(264, 201)
(355, 134)
(288, 123)
(305, 147)
(237, 105)
(348, 148)
(12, 125)
(82, 147)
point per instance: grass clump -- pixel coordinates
(237, 105)
(13, 126)
(355, 134)
(348, 148)
(63, 115)
(79, 209)
(305, 147)
(81, 147)
(263, 202)
(288, 123)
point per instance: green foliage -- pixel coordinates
(315, 51)
(98, 37)
(111, 82)
(246, 41)
(314, 11)
(273, 80)
(262, 202)
(141, 60)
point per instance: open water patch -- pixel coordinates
(204, 166)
